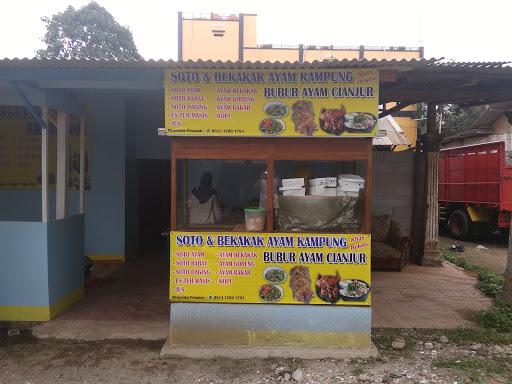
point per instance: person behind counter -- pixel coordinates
(203, 205)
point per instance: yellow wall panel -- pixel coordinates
(199, 41)
(271, 54)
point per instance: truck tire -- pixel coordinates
(460, 225)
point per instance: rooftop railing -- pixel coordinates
(339, 48)
(210, 16)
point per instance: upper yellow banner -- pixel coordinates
(271, 103)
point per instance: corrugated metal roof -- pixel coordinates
(420, 65)
(465, 135)
(390, 133)
(160, 64)
(491, 114)
(470, 66)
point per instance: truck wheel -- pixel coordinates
(459, 225)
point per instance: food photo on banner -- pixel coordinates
(271, 103)
(276, 268)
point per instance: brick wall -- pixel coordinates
(393, 185)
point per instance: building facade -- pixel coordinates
(234, 38)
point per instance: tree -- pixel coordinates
(454, 119)
(88, 32)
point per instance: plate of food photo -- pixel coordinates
(275, 275)
(354, 290)
(270, 126)
(270, 293)
(327, 287)
(276, 109)
(359, 122)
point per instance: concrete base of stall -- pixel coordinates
(170, 350)
(263, 330)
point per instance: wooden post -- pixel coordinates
(431, 255)
(367, 220)
(270, 195)
(82, 166)
(173, 188)
(419, 208)
(44, 164)
(186, 219)
(62, 165)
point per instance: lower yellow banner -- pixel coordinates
(278, 268)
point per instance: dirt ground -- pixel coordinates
(490, 253)
(425, 358)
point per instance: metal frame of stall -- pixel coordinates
(213, 329)
(271, 150)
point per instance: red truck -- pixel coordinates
(475, 190)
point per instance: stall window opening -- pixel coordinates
(320, 196)
(221, 194)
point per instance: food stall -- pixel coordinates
(270, 206)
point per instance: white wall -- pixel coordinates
(393, 186)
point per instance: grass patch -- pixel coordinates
(383, 338)
(490, 283)
(357, 371)
(458, 259)
(472, 366)
(497, 317)
(483, 336)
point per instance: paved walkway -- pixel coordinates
(134, 305)
(426, 297)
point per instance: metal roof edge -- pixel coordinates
(161, 64)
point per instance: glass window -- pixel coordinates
(223, 195)
(320, 196)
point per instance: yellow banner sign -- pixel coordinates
(278, 268)
(271, 103)
(20, 150)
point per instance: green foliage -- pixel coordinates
(454, 118)
(472, 366)
(383, 338)
(88, 32)
(490, 283)
(483, 336)
(457, 259)
(497, 317)
(357, 371)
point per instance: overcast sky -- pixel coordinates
(461, 30)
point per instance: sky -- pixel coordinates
(460, 30)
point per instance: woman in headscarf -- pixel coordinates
(203, 205)
(205, 189)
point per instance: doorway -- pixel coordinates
(153, 177)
